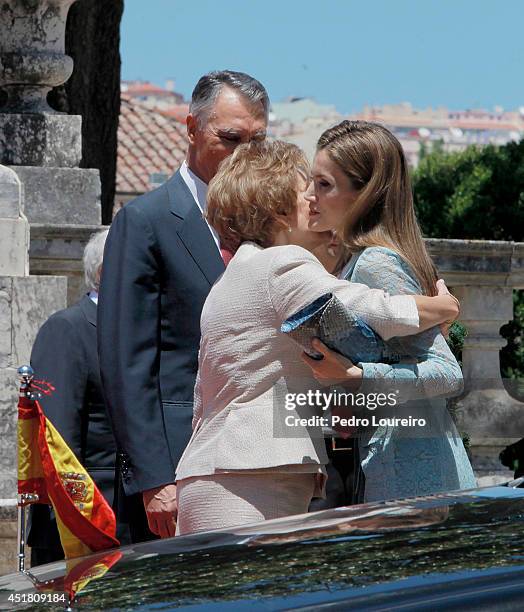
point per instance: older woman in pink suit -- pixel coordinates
(235, 470)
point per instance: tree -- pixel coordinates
(477, 194)
(93, 91)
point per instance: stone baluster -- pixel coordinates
(43, 145)
(32, 55)
(483, 275)
(484, 310)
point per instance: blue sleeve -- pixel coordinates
(432, 370)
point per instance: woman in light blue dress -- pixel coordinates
(361, 189)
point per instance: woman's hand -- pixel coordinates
(333, 368)
(441, 309)
(443, 290)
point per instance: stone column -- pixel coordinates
(484, 310)
(483, 275)
(25, 303)
(45, 146)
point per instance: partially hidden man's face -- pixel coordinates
(231, 122)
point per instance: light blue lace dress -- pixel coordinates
(395, 463)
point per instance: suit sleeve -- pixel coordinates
(58, 357)
(297, 278)
(129, 350)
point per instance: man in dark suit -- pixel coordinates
(160, 262)
(65, 354)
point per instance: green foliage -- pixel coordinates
(422, 150)
(477, 194)
(512, 355)
(457, 333)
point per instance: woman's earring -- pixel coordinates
(289, 229)
(333, 243)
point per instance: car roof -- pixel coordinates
(396, 550)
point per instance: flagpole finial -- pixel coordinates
(26, 373)
(30, 387)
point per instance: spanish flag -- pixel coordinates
(48, 467)
(79, 573)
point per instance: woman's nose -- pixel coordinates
(310, 193)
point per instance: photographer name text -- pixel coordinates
(353, 421)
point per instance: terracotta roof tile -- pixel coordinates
(149, 142)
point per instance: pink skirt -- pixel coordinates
(227, 500)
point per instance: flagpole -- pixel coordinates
(21, 537)
(26, 374)
(23, 500)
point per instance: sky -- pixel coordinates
(455, 53)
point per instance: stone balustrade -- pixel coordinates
(58, 250)
(483, 274)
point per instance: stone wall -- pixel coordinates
(483, 274)
(25, 303)
(8, 535)
(58, 250)
(44, 149)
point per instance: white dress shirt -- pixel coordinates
(198, 190)
(94, 296)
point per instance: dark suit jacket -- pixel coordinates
(64, 354)
(160, 262)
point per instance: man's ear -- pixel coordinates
(191, 126)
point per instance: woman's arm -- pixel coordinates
(432, 311)
(435, 374)
(296, 278)
(197, 396)
(435, 371)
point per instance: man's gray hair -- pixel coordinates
(93, 256)
(210, 85)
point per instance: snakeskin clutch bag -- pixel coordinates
(341, 330)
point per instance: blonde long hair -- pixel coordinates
(383, 213)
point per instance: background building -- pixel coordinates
(450, 130)
(302, 120)
(151, 146)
